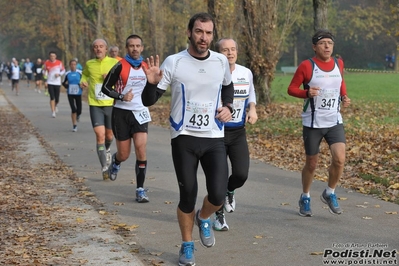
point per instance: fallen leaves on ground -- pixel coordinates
(29, 219)
(43, 205)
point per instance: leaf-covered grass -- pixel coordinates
(372, 146)
(375, 179)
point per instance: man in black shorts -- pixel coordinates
(38, 73)
(28, 66)
(125, 82)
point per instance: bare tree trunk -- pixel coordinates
(120, 20)
(99, 19)
(160, 50)
(212, 12)
(107, 22)
(65, 31)
(320, 14)
(152, 24)
(74, 31)
(131, 12)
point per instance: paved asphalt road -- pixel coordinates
(265, 229)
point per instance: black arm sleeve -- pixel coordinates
(151, 94)
(65, 82)
(228, 94)
(110, 80)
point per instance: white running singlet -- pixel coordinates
(244, 93)
(323, 111)
(136, 81)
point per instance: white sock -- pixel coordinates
(305, 195)
(329, 191)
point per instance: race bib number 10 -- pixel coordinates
(142, 116)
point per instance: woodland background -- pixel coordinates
(270, 33)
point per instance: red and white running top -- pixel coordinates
(53, 68)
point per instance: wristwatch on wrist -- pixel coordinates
(120, 97)
(228, 105)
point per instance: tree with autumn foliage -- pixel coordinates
(265, 29)
(263, 34)
(371, 21)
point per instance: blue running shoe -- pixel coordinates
(304, 207)
(113, 169)
(186, 254)
(332, 202)
(207, 236)
(141, 196)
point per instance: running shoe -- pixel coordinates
(105, 173)
(332, 202)
(108, 156)
(141, 196)
(304, 207)
(220, 222)
(53, 114)
(75, 128)
(207, 236)
(230, 202)
(186, 254)
(113, 169)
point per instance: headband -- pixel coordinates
(317, 38)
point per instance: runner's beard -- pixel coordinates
(197, 47)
